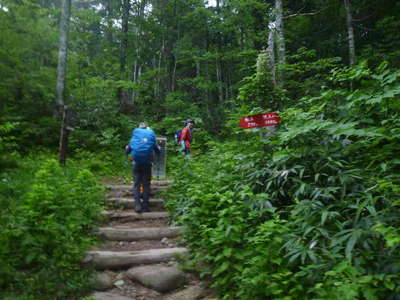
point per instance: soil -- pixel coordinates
(139, 223)
(138, 245)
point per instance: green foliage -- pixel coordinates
(46, 228)
(7, 144)
(310, 212)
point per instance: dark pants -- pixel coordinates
(142, 176)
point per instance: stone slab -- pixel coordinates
(191, 293)
(103, 281)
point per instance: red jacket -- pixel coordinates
(186, 136)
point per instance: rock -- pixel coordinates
(158, 277)
(103, 281)
(191, 293)
(164, 240)
(109, 296)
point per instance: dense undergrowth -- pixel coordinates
(47, 218)
(311, 212)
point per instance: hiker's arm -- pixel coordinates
(128, 149)
(157, 149)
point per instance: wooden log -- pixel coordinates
(151, 233)
(118, 260)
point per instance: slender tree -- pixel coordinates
(276, 44)
(350, 33)
(62, 55)
(280, 35)
(122, 93)
(271, 49)
(61, 108)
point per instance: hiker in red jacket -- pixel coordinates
(186, 137)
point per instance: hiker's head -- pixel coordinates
(189, 123)
(143, 125)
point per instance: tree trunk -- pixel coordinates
(109, 10)
(271, 52)
(64, 134)
(137, 66)
(62, 56)
(350, 33)
(280, 32)
(197, 67)
(219, 81)
(61, 75)
(122, 93)
(173, 79)
(280, 40)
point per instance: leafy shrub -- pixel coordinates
(46, 231)
(310, 212)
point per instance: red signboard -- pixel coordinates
(260, 120)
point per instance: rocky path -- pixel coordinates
(138, 257)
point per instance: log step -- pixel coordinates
(151, 233)
(128, 202)
(130, 186)
(102, 260)
(133, 216)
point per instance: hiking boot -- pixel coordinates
(145, 209)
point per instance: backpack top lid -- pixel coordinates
(142, 143)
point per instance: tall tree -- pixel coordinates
(123, 93)
(62, 55)
(281, 43)
(61, 107)
(350, 32)
(276, 44)
(271, 48)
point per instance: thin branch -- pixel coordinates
(303, 14)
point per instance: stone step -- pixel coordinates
(158, 277)
(190, 293)
(128, 202)
(132, 215)
(102, 260)
(151, 233)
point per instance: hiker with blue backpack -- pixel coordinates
(141, 149)
(184, 137)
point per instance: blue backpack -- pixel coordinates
(142, 143)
